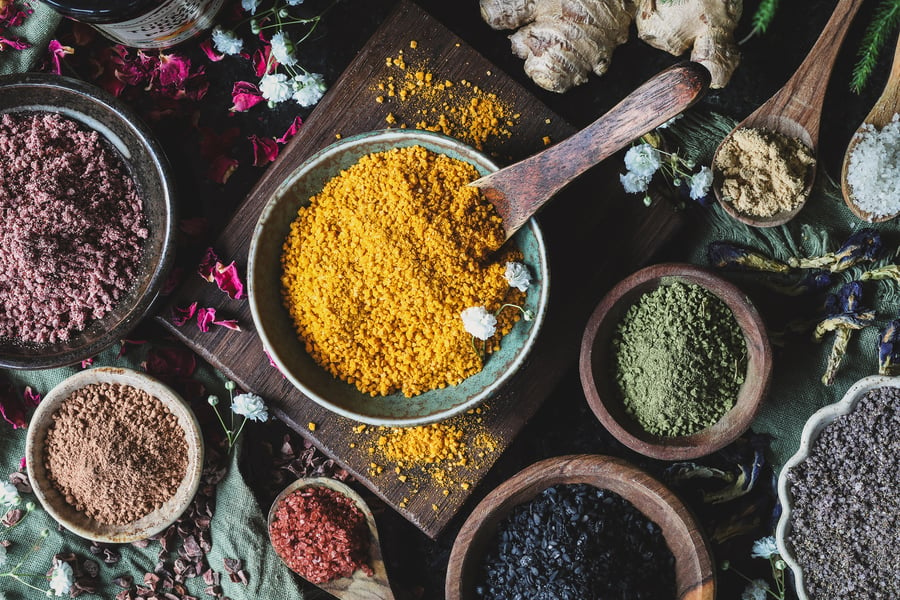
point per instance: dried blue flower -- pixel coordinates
(727, 255)
(844, 313)
(862, 246)
(889, 349)
(885, 272)
(809, 282)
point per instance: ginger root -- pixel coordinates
(562, 41)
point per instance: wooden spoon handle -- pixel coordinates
(802, 96)
(889, 102)
(518, 191)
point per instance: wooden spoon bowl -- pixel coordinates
(359, 586)
(604, 397)
(887, 105)
(796, 110)
(694, 572)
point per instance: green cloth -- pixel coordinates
(825, 222)
(238, 527)
(37, 30)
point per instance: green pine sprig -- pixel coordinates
(884, 22)
(762, 18)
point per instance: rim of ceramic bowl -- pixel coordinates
(79, 523)
(406, 137)
(819, 420)
(143, 296)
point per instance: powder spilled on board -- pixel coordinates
(73, 228)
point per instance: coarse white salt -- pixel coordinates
(873, 174)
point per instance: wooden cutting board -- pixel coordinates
(594, 234)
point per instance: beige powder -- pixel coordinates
(764, 171)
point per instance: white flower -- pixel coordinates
(479, 322)
(250, 406)
(764, 548)
(634, 183)
(61, 578)
(275, 87)
(2, 562)
(642, 160)
(250, 5)
(226, 42)
(283, 49)
(517, 276)
(755, 590)
(309, 88)
(700, 182)
(8, 494)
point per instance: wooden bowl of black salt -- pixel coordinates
(114, 455)
(728, 392)
(581, 526)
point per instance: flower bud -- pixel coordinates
(229, 385)
(254, 26)
(213, 400)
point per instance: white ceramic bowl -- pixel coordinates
(78, 522)
(814, 425)
(276, 329)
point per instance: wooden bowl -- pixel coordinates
(694, 572)
(603, 394)
(78, 522)
(276, 328)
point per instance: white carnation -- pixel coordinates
(61, 579)
(643, 160)
(283, 49)
(479, 322)
(634, 183)
(250, 5)
(309, 88)
(517, 276)
(275, 87)
(8, 494)
(250, 406)
(700, 182)
(226, 42)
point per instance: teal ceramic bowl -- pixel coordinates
(276, 329)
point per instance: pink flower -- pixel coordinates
(181, 316)
(244, 96)
(265, 150)
(291, 131)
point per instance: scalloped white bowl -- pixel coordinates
(814, 425)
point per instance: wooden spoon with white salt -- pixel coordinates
(882, 114)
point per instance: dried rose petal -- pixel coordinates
(21, 482)
(170, 363)
(244, 96)
(291, 131)
(12, 43)
(180, 316)
(211, 54)
(126, 346)
(209, 262)
(265, 150)
(221, 169)
(263, 64)
(228, 280)
(22, 463)
(56, 52)
(11, 406)
(231, 324)
(205, 317)
(32, 398)
(87, 363)
(12, 516)
(174, 69)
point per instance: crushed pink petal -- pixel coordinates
(228, 324)
(32, 398)
(291, 131)
(88, 362)
(23, 464)
(56, 52)
(228, 280)
(211, 54)
(272, 362)
(205, 317)
(13, 43)
(265, 150)
(180, 316)
(208, 265)
(244, 96)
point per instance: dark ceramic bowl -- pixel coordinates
(147, 165)
(603, 394)
(695, 577)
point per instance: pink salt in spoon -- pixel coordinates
(882, 114)
(796, 109)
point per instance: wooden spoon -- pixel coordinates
(359, 586)
(519, 190)
(796, 109)
(882, 113)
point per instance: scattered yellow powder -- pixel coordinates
(413, 44)
(378, 268)
(311, 426)
(461, 110)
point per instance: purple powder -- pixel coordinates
(73, 227)
(845, 524)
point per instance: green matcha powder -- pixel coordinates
(679, 359)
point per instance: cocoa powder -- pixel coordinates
(115, 452)
(73, 227)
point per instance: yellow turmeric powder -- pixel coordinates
(378, 268)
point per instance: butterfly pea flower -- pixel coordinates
(881, 273)
(862, 246)
(844, 314)
(727, 255)
(889, 349)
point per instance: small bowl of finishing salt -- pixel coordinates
(580, 526)
(381, 286)
(840, 495)
(114, 455)
(675, 362)
(88, 231)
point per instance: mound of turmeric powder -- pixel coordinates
(379, 266)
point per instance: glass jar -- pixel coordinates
(149, 24)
